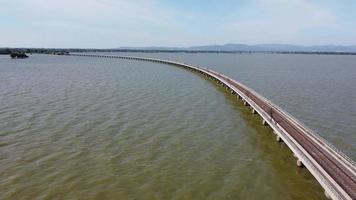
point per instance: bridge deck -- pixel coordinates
(333, 170)
(338, 171)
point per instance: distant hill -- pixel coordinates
(276, 47)
(256, 48)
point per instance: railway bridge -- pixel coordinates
(335, 172)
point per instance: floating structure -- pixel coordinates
(18, 55)
(335, 172)
(60, 53)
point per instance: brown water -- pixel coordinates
(319, 90)
(94, 128)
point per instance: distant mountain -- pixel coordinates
(256, 48)
(275, 47)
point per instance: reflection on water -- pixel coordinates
(319, 90)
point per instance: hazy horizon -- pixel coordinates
(159, 23)
(219, 47)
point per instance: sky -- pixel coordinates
(175, 23)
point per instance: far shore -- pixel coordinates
(7, 51)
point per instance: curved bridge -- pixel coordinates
(335, 172)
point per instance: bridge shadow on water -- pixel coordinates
(298, 182)
(259, 143)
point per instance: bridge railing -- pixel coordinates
(299, 124)
(323, 178)
(287, 115)
(319, 173)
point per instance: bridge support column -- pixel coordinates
(299, 163)
(245, 103)
(253, 111)
(264, 123)
(278, 139)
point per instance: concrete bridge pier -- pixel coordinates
(339, 184)
(299, 163)
(278, 138)
(245, 103)
(264, 122)
(253, 111)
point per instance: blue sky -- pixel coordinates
(116, 23)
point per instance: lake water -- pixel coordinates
(96, 128)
